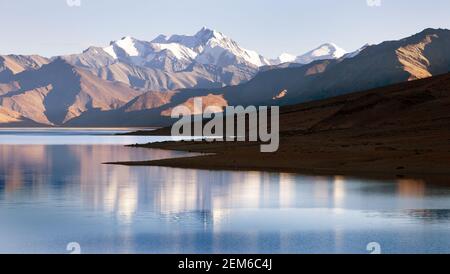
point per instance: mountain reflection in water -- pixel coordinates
(54, 194)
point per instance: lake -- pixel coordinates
(54, 190)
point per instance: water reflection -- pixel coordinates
(437, 215)
(66, 190)
(411, 188)
(32, 170)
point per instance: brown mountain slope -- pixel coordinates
(11, 118)
(58, 92)
(78, 97)
(149, 100)
(419, 56)
(11, 65)
(29, 104)
(398, 130)
(19, 63)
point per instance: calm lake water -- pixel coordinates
(54, 190)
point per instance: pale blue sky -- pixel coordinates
(51, 27)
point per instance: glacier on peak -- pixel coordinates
(323, 52)
(208, 47)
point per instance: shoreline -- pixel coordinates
(436, 178)
(401, 131)
(387, 163)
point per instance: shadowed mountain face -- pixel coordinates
(399, 130)
(416, 57)
(13, 64)
(419, 104)
(96, 88)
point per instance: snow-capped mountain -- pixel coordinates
(208, 47)
(214, 48)
(283, 58)
(323, 52)
(167, 56)
(204, 60)
(184, 61)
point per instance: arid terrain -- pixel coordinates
(399, 130)
(108, 87)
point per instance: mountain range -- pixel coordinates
(204, 60)
(135, 83)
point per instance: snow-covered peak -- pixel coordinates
(286, 57)
(131, 47)
(205, 36)
(196, 41)
(110, 50)
(283, 58)
(160, 55)
(179, 51)
(323, 52)
(214, 48)
(329, 49)
(207, 46)
(127, 46)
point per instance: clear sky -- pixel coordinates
(52, 27)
